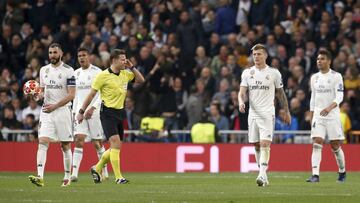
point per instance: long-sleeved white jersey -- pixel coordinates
(55, 81)
(261, 84)
(326, 89)
(84, 78)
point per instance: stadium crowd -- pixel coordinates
(191, 52)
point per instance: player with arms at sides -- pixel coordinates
(327, 92)
(91, 126)
(261, 84)
(112, 84)
(57, 82)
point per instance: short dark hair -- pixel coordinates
(258, 47)
(53, 45)
(115, 53)
(83, 49)
(325, 53)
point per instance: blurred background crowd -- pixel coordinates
(191, 52)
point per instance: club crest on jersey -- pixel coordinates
(47, 70)
(252, 72)
(328, 81)
(60, 76)
(267, 77)
(89, 78)
(78, 73)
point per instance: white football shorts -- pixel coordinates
(261, 129)
(57, 125)
(90, 127)
(331, 127)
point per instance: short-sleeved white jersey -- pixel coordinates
(84, 78)
(261, 84)
(326, 89)
(55, 81)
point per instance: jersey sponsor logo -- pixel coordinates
(259, 86)
(53, 85)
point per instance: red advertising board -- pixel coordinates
(146, 157)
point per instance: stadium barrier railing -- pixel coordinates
(300, 136)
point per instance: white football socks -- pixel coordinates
(316, 158)
(67, 155)
(78, 154)
(41, 159)
(340, 159)
(264, 161)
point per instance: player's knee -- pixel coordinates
(65, 146)
(335, 146)
(97, 144)
(318, 140)
(317, 146)
(79, 144)
(257, 146)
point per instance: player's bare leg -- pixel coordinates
(316, 159)
(262, 179)
(100, 149)
(340, 159)
(67, 156)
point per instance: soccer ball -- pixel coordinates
(31, 87)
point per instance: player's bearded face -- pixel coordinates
(54, 60)
(54, 55)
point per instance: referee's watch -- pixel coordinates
(132, 68)
(81, 111)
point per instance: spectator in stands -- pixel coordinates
(32, 108)
(201, 60)
(223, 95)
(15, 103)
(280, 125)
(345, 119)
(195, 103)
(9, 122)
(204, 131)
(29, 123)
(220, 121)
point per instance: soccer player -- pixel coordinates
(57, 82)
(327, 92)
(112, 84)
(91, 126)
(261, 82)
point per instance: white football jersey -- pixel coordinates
(84, 78)
(326, 89)
(261, 84)
(55, 81)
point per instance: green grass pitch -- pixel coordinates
(187, 187)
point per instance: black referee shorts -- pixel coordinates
(112, 121)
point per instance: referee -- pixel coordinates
(112, 84)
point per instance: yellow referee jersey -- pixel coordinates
(113, 87)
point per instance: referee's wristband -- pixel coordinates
(81, 111)
(132, 67)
